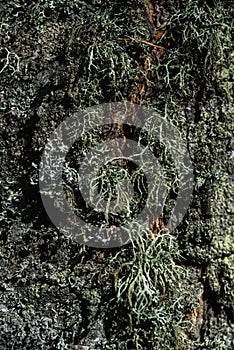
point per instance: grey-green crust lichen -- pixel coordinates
(168, 290)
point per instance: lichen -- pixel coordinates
(168, 290)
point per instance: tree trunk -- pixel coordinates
(167, 289)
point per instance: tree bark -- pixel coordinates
(172, 57)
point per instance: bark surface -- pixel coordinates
(168, 291)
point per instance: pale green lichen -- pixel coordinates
(60, 56)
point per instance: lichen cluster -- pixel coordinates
(166, 290)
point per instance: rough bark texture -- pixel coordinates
(169, 292)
